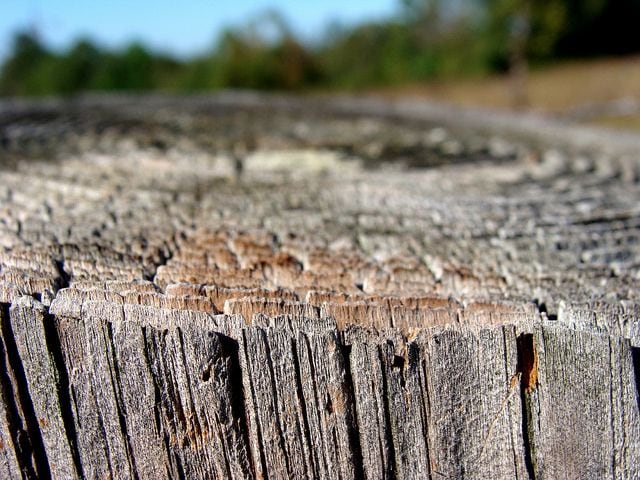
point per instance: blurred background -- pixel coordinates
(574, 58)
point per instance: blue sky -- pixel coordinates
(181, 27)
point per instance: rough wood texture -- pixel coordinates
(584, 375)
(266, 287)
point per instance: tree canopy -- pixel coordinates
(425, 39)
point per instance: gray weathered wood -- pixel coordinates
(584, 406)
(372, 296)
(28, 323)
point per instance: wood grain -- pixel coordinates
(359, 302)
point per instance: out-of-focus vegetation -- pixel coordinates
(425, 40)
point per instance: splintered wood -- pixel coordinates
(356, 296)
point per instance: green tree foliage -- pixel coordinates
(265, 54)
(131, 69)
(76, 71)
(26, 71)
(425, 39)
(561, 28)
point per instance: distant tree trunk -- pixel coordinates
(519, 30)
(518, 64)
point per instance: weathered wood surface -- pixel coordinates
(278, 288)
